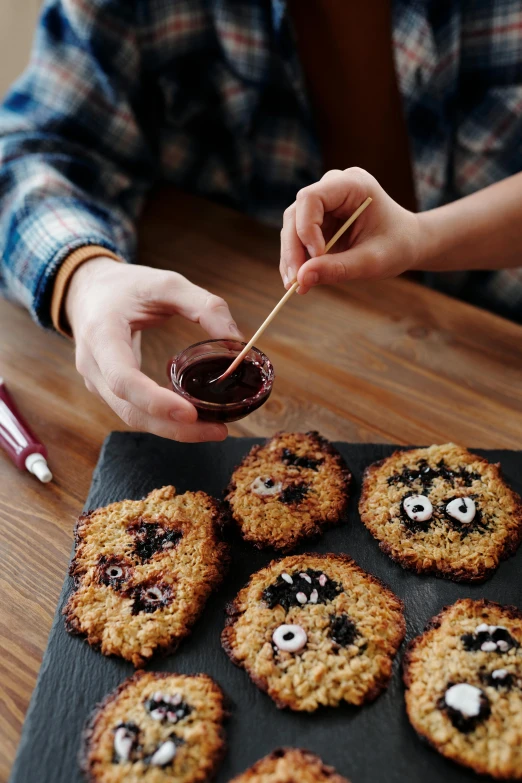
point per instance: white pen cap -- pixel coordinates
(37, 465)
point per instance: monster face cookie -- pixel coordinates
(463, 677)
(287, 765)
(315, 630)
(291, 488)
(156, 728)
(442, 510)
(143, 571)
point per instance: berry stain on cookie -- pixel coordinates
(308, 463)
(425, 475)
(167, 709)
(294, 494)
(489, 638)
(298, 589)
(342, 630)
(152, 537)
(150, 596)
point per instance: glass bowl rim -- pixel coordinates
(265, 389)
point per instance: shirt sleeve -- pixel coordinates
(75, 159)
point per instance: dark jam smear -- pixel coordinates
(150, 596)
(473, 641)
(113, 571)
(294, 494)
(282, 593)
(462, 722)
(506, 682)
(245, 382)
(289, 458)
(343, 630)
(173, 712)
(152, 537)
(426, 475)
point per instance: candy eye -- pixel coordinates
(467, 703)
(418, 508)
(266, 487)
(154, 594)
(114, 572)
(125, 739)
(290, 638)
(462, 509)
(164, 754)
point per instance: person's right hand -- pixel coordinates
(383, 242)
(107, 305)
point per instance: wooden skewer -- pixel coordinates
(239, 358)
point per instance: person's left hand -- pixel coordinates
(384, 241)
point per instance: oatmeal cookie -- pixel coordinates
(156, 728)
(315, 630)
(143, 571)
(463, 680)
(292, 487)
(442, 510)
(287, 765)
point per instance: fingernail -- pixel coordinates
(233, 329)
(285, 279)
(311, 251)
(310, 279)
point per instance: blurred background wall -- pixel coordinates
(17, 23)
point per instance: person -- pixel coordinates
(249, 102)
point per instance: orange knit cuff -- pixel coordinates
(63, 278)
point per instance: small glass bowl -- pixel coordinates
(208, 349)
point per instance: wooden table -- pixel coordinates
(376, 362)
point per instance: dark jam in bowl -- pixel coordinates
(194, 372)
(199, 380)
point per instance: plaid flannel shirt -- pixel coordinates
(209, 95)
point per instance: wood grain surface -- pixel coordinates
(372, 362)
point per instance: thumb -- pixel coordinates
(335, 268)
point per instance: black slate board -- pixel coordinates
(372, 744)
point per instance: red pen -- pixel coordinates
(19, 442)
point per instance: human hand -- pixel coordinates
(383, 242)
(107, 305)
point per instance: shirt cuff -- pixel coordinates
(63, 278)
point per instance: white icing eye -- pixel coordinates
(266, 487)
(154, 594)
(418, 508)
(123, 741)
(462, 509)
(164, 754)
(114, 572)
(290, 638)
(465, 698)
